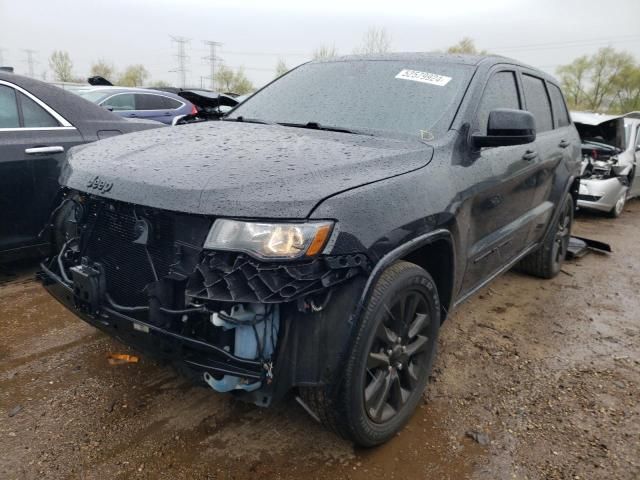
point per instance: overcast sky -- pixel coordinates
(255, 33)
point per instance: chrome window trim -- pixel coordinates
(64, 124)
(182, 104)
(35, 129)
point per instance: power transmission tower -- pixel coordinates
(212, 59)
(182, 57)
(30, 61)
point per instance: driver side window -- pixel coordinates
(501, 92)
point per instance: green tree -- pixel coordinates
(62, 66)
(604, 81)
(230, 81)
(466, 46)
(627, 87)
(281, 68)
(103, 69)
(573, 78)
(324, 52)
(133, 76)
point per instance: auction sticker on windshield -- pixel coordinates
(423, 77)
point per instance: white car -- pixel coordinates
(610, 154)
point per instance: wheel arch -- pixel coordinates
(434, 252)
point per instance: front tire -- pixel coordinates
(547, 261)
(390, 361)
(618, 208)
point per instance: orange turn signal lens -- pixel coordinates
(319, 241)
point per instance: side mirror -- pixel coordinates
(507, 127)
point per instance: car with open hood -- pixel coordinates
(314, 240)
(610, 155)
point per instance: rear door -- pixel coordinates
(156, 107)
(499, 221)
(33, 143)
(123, 104)
(554, 144)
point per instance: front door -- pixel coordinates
(499, 220)
(32, 149)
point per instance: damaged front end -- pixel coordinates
(605, 175)
(237, 322)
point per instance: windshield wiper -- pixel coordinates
(247, 120)
(327, 128)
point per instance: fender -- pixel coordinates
(556, 214)
(398, 253)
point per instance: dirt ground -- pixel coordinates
(546, 373)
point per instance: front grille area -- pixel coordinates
(589, 198)
(127, 267)
(229, 276)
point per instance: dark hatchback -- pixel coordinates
(314, 241)
(39, 122)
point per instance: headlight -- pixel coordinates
(269, 240)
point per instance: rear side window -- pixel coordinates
(155, 102)
(120, 102)
(501, 92)
(557, 100)
(34, 116)
(8, 108)
(538, 102)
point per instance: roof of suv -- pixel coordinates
(422, 56)
(464, 59)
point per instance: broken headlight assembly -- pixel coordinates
(269, 241)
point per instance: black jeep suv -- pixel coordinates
(315, 239)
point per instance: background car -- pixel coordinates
(39, 122)
(610, 153)
(140, 103)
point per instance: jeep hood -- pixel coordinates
(237, 169)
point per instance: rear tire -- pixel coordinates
(547, 261)
(390, 361)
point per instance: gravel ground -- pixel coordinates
(534, 379)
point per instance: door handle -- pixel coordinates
(43, 150)
(529, 155)
(563, 144)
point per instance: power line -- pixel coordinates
(269, 54)
(571, 43)
(182, 57)
(30, 61)
(211, 58)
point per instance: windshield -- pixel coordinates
(405, 97)
(95, 96)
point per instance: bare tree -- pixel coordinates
(324, 52)
(160, 84)
(281, 68)
(375, 40)
(103, 69)
(62, 66)
(467, 46)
